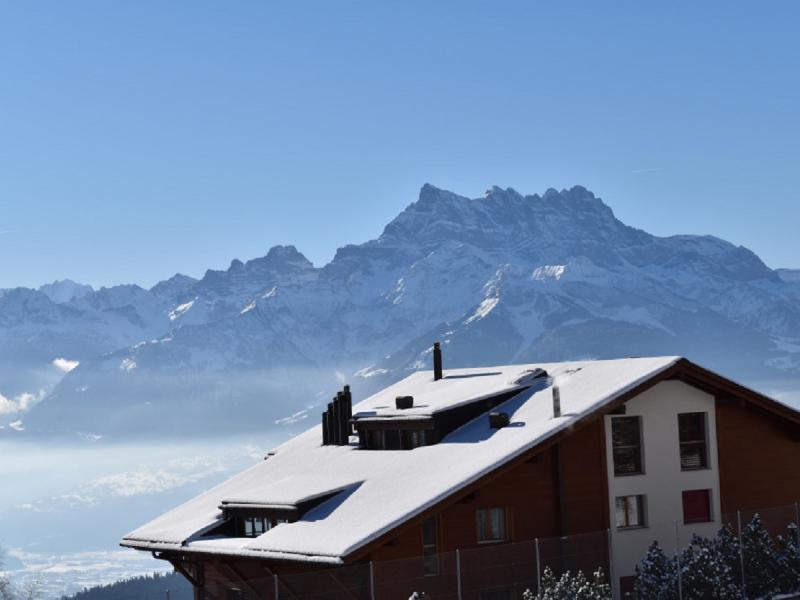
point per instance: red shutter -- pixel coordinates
(696, 506)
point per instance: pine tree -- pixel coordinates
(788, 560)
(760, 564)
(705, 574)
(571, 587)
(656, 576)
(728, 548)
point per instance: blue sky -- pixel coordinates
(138, 139)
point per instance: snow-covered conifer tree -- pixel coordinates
(656, 575)
(760, 564)
(788, 558)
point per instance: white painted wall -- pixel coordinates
(662, 481)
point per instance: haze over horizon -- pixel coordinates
(136, 147)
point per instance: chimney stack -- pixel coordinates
(336, 428)
(325, 438)
(343, 418)
(348, 411)
(328, 439)
(556, 402)
(437, 361)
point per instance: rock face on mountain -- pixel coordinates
(502, 278)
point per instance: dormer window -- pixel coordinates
(255, 526)
(394, 439)
(252, 519)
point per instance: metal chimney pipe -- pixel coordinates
(348, 408)
(556, 402)
(325, 439)
(329, 422)
(342, 422)
(335, 422)
(437, 361)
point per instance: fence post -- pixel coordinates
(741, 551)
(371, 580)
(678, 561)
(276, 585)
(458, 571)
(538, 569)
(611, 565)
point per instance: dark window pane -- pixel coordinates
(491, 524)
(692, 432)
(480, 518)
(429, 532)
(625, 431)
(693, 447)
(430, 561)
(626, 441)
(692, 427)
(627, 461)
(392, 440)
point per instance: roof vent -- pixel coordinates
(556, 402)
(498, 420)
(437, 361)
(404, 402)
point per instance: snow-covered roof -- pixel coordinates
(457, 387)
(381, 489)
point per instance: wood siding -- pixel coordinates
(529, 493)
(759, 458)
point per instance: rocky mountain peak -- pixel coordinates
(65, 290)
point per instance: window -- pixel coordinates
(630, 512)
(696, 506)
(430, 546)
(692, 431)
(413, 439)
(255, 526)
(626, 442)
(491, 524)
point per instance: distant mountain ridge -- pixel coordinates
(502, 278)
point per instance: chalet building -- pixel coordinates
(641, 448)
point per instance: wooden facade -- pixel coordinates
(558, 488)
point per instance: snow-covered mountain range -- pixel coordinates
(498, 279)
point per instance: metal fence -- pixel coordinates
(489, 572)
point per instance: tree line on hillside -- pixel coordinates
(145, 587)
